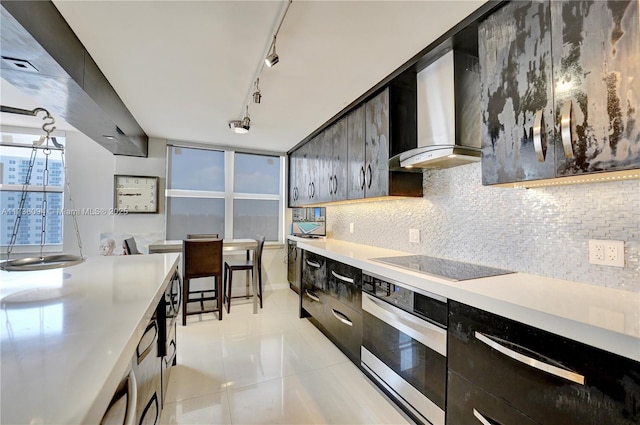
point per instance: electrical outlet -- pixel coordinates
(607, 253)
(351, 227)
(414, 235)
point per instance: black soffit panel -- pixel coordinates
(43, 57)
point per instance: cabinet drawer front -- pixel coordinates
(469, 405)
(345, 326)
(539, 373)
(345, 284)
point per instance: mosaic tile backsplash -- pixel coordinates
(543, 231)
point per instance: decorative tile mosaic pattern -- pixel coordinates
(543, 231)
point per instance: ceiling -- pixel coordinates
(186, 68)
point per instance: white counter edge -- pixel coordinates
(622, 344)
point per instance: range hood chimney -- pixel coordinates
(448, 115)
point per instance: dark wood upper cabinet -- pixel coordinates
(560, 89)
(596, 65)
(391, 127)
(333, 163)
(352, 155)
(356, 153)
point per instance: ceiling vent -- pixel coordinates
(42, 57)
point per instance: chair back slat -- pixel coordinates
(202, 236)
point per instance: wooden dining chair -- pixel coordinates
(130, 247)
(230, 267)
(201, 258)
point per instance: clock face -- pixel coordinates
(136, 194)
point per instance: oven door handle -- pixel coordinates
(341, 317)
(342, 278)
(419, 329)
(530, 361)
(480, 417)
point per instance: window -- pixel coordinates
(16, 149)
(234, 194)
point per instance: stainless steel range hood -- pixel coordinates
(448, 115)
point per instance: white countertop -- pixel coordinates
(601, 317)
(63, 356)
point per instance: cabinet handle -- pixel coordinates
(132, 401)
(313, 264)
(539, 136)
(342, 278)
(313, 190)
(341, 317)
(566, 128)
(335, 184)
(545, 367)
(370, 176)
(482, 419)
(361, 178)
(141, 355)
(311, 295)
(295, 193)
(330, 185)
(153, 402)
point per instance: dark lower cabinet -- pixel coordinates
(548, 378)
(314, 284)
(332, 296)
(469, 405)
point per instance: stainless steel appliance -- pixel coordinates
(404, 345)
(451, 270)
(448, 114)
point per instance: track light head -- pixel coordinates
(236, 127)
(273, 57)
(257, 96)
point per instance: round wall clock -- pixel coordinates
(136, 194)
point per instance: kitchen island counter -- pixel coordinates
(69, 334)
(595, 315)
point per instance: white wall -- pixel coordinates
(90, 173)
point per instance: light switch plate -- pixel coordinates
(414, 235)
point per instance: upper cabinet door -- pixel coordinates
(517, 93)
(339, 159)
(596, 47)
(293, 178)
(324, 181)
(356, 158)
(377, 145)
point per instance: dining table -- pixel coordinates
(248, 245)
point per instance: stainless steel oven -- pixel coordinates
(404, 345)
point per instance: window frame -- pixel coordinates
(229, 195)
(33, 188)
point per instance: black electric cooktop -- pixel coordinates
(448, 269)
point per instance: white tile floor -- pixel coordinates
(268, 368)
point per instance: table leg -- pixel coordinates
(254, 283)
